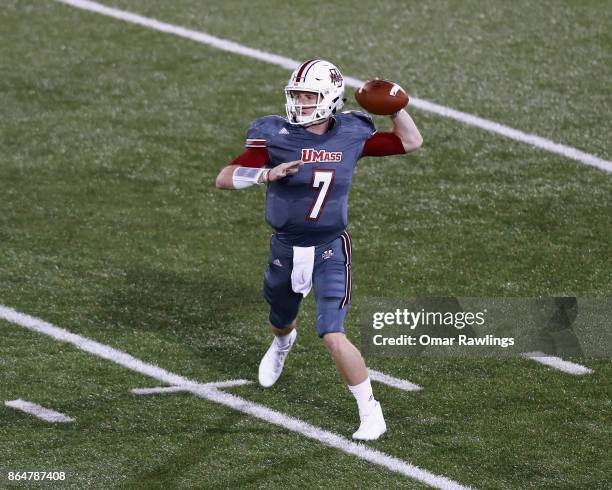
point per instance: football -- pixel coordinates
(381, 97)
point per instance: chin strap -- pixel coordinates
(331, 120)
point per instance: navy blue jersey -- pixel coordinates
(311, 207)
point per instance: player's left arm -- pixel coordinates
(405, 138)
(406, 130)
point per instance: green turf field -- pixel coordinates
(111, 227)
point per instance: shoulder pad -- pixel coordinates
(262, 130)
(361, 120)
(361, 115)
(268, 123)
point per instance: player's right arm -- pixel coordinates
(249, 168)
(249, 163)
(235, 176)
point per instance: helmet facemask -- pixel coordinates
(306, 114)
(317, 77)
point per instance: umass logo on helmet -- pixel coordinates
(310, 155)
(335, 76)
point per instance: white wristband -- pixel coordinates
(246, 177)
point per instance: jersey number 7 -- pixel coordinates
(321, 183)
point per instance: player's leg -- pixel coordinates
(284, 307)
(284, 337)
(352, 368)
(348, 359)
(283, 332)
(332, 282)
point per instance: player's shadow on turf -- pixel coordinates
(200, 450)
(213, 316)
(554, 334)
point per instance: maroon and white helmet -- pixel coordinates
(319, 77)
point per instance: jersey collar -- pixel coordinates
(334, 123)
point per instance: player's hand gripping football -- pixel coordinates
(282, 170)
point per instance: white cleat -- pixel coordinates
(271, 365)
(372, 425)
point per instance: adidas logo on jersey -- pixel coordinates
(310, 155)
(283, 131)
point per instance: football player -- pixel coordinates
(307, 160)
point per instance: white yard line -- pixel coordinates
(159, 390)
(176, 389)
(558, 363)
(42, 413)
(290, 64)
(237, 403)
(401, 384)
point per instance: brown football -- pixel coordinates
(382, 97)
